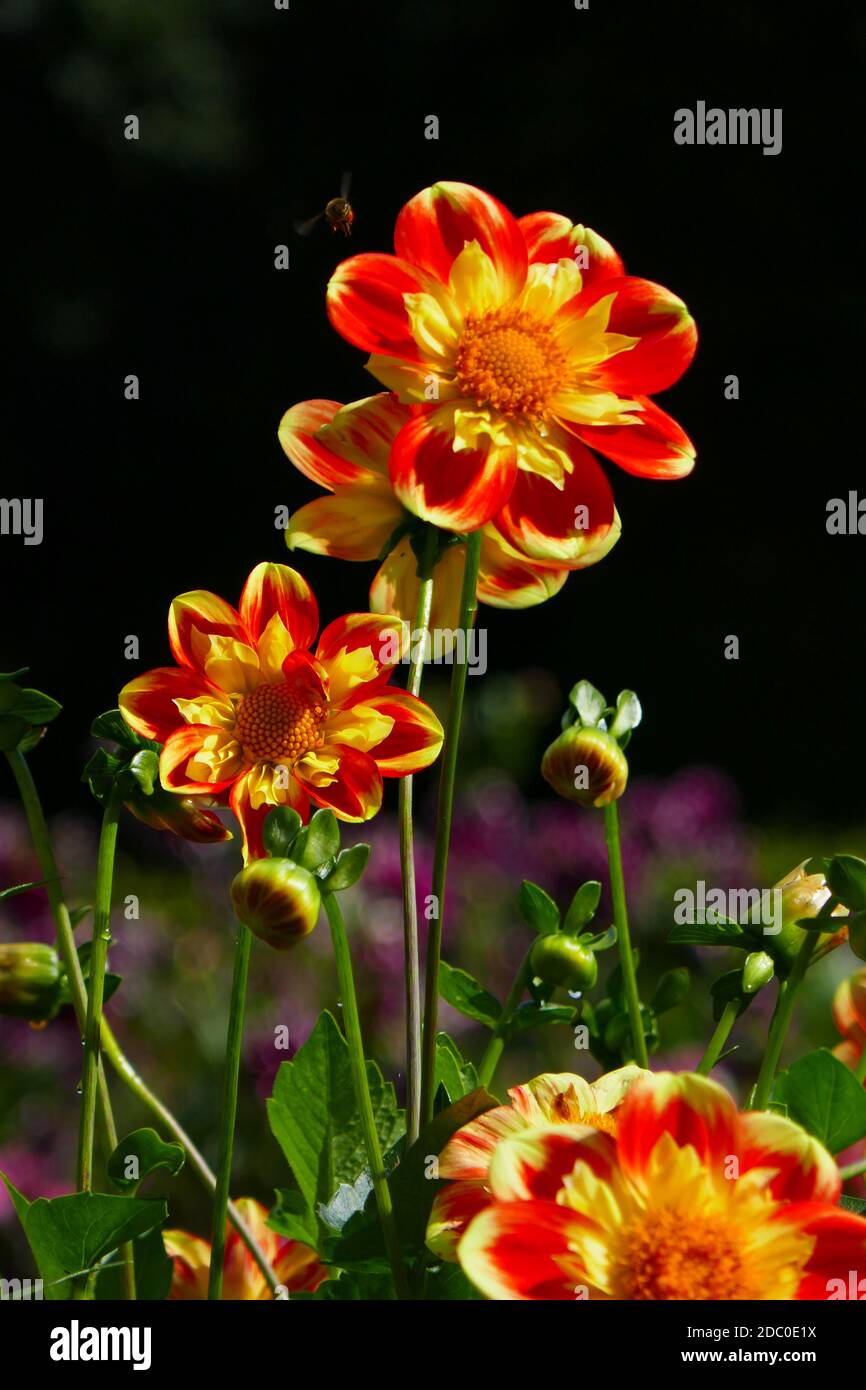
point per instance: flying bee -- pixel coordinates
(338, 213)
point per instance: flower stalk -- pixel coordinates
(781, 1022)
(234, 1039)
(444, 813)
(496, 1046)
(623, 937)
(719, 1038)
(357, 1062)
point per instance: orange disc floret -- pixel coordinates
(275, 724)
(509, 359)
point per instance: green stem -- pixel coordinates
(196, 1160)
(444, 812)
(620, 917)
(853, 1170)
(412, 963)
(68, 954)
(352, 1023)
(496, 1046)
(781, 1022)
(719, 1038)
(96, 990)
(860, 1069)
(234, 1039)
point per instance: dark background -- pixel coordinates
(156, 258)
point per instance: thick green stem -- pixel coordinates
(96, 990)
(352, 1024)
(719, 1038)
(412, 962)
(496, 1046)
(196, 1160)
(444, 812)
(234, 1039)
(854, 1170)
(781, 1022)
(68, 954)
(620, 917)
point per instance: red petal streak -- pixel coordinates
(206, 612)
(180, 746)
(544, 522)
(147, 703)
(356, 792)
(415, 739)
(297, 436)
(278, 589)
(551, 237)
(435, 225)
(662, 322)
(365, 303)
(459, 491)
(657, 447)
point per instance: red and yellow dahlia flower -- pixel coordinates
(551, 1099)
(296, 1266)
(688, 1200)
(849, 1015)
(346, 449)
(520, 345)
(251, 715)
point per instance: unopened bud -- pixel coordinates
(803, 895)
(278, 900)
(587, 766)
(29, 981)
(185, 816)
(758, 971)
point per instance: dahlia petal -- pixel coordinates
(550, 237)
(353, 524)
(297, 434)
(434, 226)
(509, 579)
(806, 1171)
(532, 1163)
(278, 589)
(414, 738)
(148, 702)
(691, 1109)
(366, 303)
(230, 665)
(200, 612)
(453, 1208)
(662, 323)
(343, 779)
(836, 1268)
(396, 586)
(467, 1155)
(252, 805)
(358, 652)
(198, 758)
(520, 1251)
(458, 490)
(362, 432)
(655, 446)
(414, 383)
(559, 526)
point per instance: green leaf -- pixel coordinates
(539, 1015)
(855, 1204)
(112, 726)
(144, 770)
(13, 675)
(293, 1217)
(153, 1271)
(589, 703)
(351, 1287)
(704, 934)
(348, 868)
(35, 708)
(458, 1076)
(846, 879)
(538, 909)
(280, 828)
(725, 990)
(314, 1119)
(583, 908)
(317, 842)
(463, 992)
(603, 941)
(825, 1097)
(413, 1185)
(25, 887)
(448, 1283)
(139, 1155)
(78, 914)
(70, 1235)
(628, 714)
(671, 990)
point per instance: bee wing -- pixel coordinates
(304, 228)
(345, 185)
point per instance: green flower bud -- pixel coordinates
(803, 895)
(587, 766)
(278, 900)
(758, 971)
(558, 959)
(29, 981)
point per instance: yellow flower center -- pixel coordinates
(509, 359)
(276, 724)
(671, 1255)
(566, 1110)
